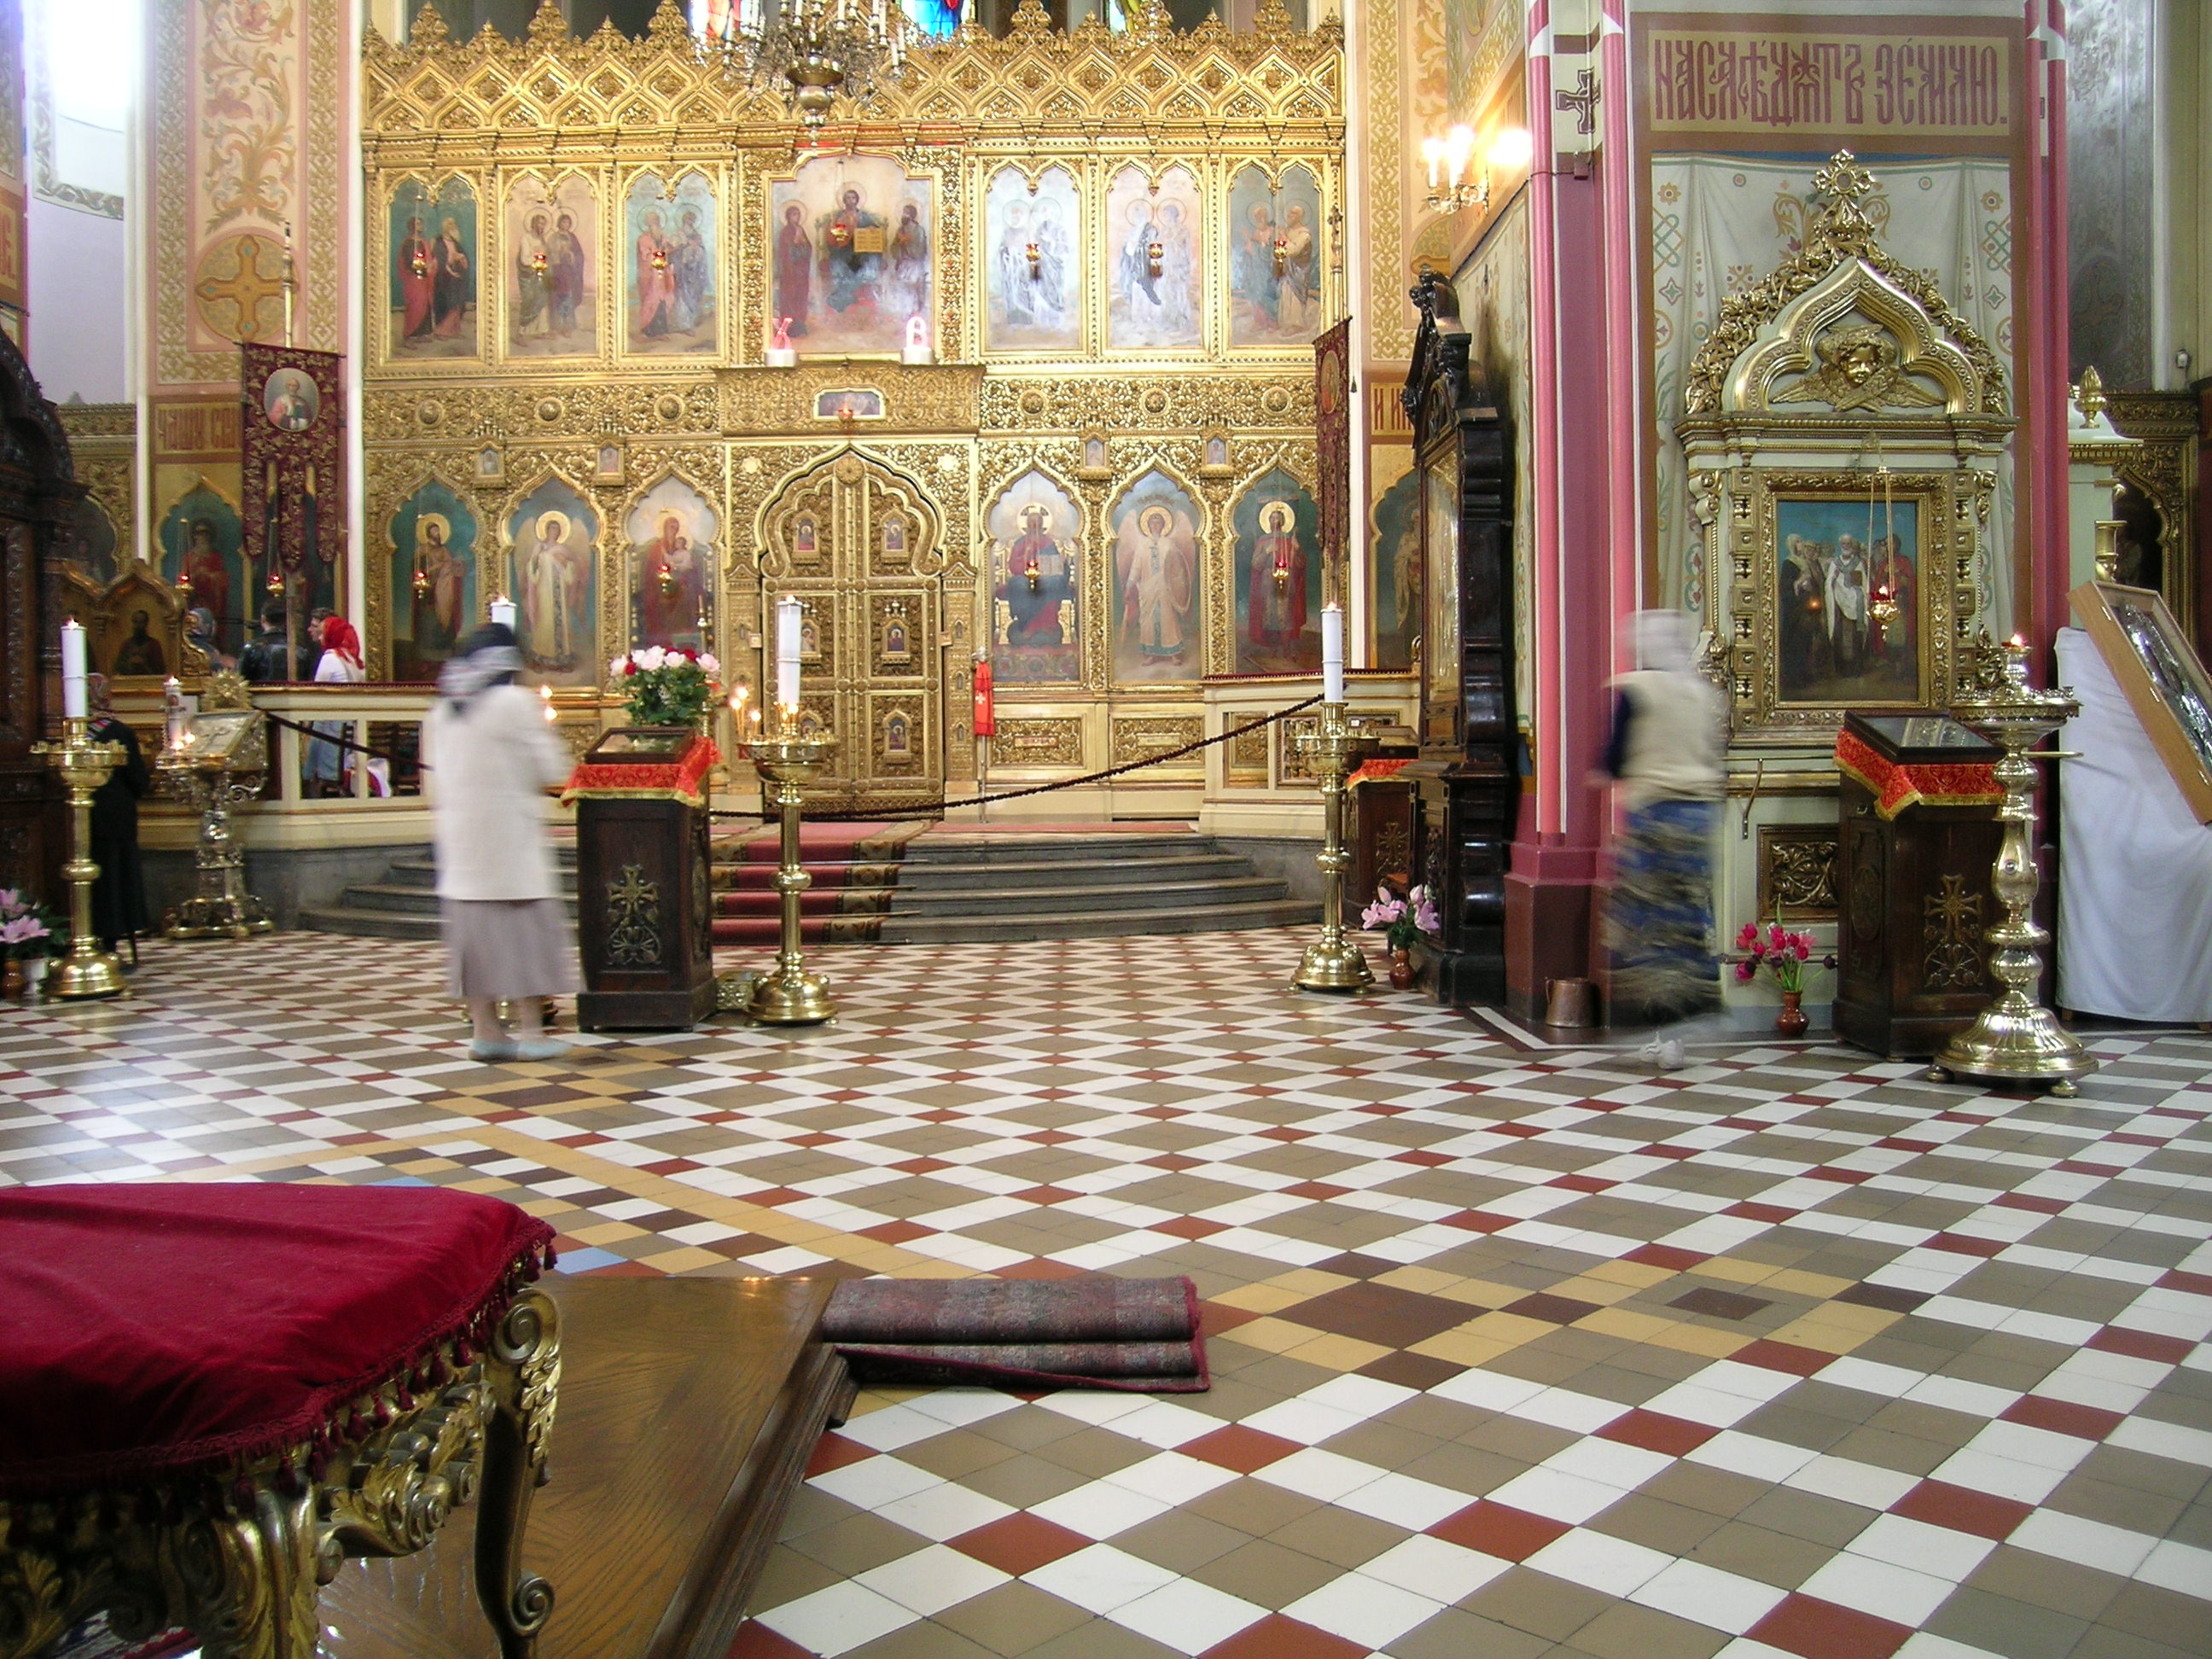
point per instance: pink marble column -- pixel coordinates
(1587, 450)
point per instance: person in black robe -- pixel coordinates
(118, 896)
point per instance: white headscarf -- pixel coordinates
(1663, 639)
(463, 677)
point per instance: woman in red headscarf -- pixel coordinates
(341, 665)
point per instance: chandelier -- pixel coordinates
(818, 48)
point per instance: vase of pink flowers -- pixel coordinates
(1784, 956)
(26, 940)
(1401, 920)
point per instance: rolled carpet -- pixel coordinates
(1138, 1336)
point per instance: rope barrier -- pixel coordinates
(939, 806)
(930, 810)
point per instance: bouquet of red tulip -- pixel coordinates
(1781, 952)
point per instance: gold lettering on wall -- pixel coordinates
(1752, 82)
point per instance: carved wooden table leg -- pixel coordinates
(249, 1577)
(524, 1371)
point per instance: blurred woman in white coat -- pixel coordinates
(507, 938)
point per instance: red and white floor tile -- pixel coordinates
(1519, 1350)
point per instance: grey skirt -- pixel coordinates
(504, 948)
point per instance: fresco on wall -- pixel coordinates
(1037, 631)
(203, 541)
(671, 532)
(1154, 261)
(1033, 242)
(89, 541)
(552, 269)
(433, 240)
(1156, 583)
(1278, 551)
(849, 240)
(557, 584)
(434, 580)
(1397, 544)
(1274, 258)
(668, 270)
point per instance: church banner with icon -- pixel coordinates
(1333, 445)
(294, 511)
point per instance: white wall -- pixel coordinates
(78, 274)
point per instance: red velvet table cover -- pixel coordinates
(149, 1333)
(652, 780)
(1897, 785)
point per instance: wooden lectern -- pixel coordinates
(643, 905)
(1918, 838)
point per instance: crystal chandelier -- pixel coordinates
(818, 48)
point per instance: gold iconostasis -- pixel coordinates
(1023, 363)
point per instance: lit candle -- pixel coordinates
(786, 652)
(545, 695)
(1332, 653)
(502, 611)
(73, 701)
(173, 711)
(1432, 152)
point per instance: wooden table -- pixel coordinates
(689, 1408)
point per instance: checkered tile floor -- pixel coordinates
(1519, 1350)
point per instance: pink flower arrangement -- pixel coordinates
(1403, 920)
(24, 930)
(1781, 952)
(666, 685)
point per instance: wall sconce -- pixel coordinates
(1450, 188)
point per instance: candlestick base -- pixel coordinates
(1332, 961)
(791, 997)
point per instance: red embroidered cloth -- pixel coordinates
(685, 779)
(158, 1331)
(1899, 784)
(1374, 771)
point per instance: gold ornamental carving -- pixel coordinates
(1139, 737)
(1037, 743)
(1796, 872)
(779, 402)
(1951, 936)
(1840, 233)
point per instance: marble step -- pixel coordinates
(1190, 865)
(1102, 891)
(1206, 919)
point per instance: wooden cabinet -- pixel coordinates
(1382, 836)
(1914, 895)
(644, 908)
(1467, 780)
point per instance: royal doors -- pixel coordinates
(860, 545)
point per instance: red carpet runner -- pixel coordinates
(854, 867)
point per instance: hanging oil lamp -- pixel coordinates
(1282, 255)
(420, 264)
(422, 584)
(665, 579)
(537, 262)
(660, 258)
(1282, 569)
(1033, 573)
(1154, 254)
(275, 585)
(1036, 257)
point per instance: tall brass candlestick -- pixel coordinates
(2016, 1038)
(1332, 963)
(789, 996)
(86, 970)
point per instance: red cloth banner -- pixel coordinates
(986, 719)
(1898, 784)
(1333, 445)
(160, 1331)
(684, 778)
(1374, 771)
(293, 491)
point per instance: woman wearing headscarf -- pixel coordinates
(118, 893)
(1665, 757)
(341, 665)
(507, 938)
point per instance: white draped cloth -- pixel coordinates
(2134, 867)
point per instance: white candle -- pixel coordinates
(173, 711)
(1332, 653)
(786, 652)
(73, 702)
(502, 611)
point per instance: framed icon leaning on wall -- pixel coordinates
(2162, 678)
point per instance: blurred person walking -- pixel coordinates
(1665, 759)
(507, 938)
